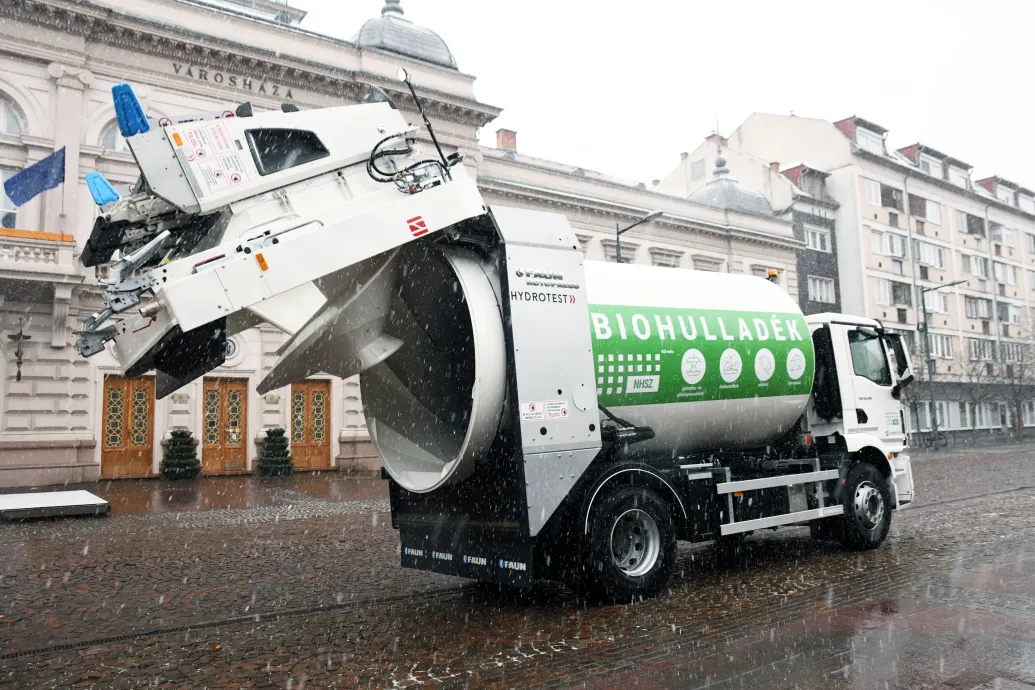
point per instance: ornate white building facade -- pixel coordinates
(67, 419)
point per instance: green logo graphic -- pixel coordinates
(651, 355)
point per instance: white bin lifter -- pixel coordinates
(270, 218)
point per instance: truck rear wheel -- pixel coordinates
(632, 548)
(867, 503)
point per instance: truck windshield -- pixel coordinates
(868, 357)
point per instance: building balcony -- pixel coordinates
(35, 255)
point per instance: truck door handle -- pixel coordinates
(861, 416)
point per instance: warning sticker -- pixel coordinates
(213, 175)
(219, 138)
(210, 151)
(234, 168)
(532, 411)
(556, 409)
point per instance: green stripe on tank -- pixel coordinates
(651, 355)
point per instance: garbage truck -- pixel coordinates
(538, 415)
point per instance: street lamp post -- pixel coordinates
(622, 231)
(927, 348)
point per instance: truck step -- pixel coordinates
(777, 520)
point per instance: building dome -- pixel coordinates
(394, 33)
(729, 195)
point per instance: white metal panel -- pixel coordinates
(777, 520)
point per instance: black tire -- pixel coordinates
(621, 542)
(867, 503)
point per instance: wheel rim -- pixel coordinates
(869, 505)
(635, 542)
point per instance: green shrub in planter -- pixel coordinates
(275, 460)
(181, 457)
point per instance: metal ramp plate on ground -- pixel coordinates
(51, 504)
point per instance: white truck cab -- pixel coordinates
(861, 370)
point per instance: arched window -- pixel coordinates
(112, 139)
(10, 118)
(8, 211)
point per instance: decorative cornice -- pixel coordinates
(99, 25)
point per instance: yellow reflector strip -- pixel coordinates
(262, 261)
(177, 138)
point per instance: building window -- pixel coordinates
(888, 243)
(1004, 195)
(891, 197)
(964, 411)
(112, 139)
(941, 346)
(869, 141)
(1028, 413)
(1011, 353)
(8, 211)
(981, 350)
(872, 192)
(1000, 235)
(10, 118)
(821, 289)
(882, 288)
(665, 257)
(697, 170)
(929, 211)
(1009, 313)
(959, 177)
(1005, 273)
(978, 308)
(1026, 203)
(977, 265)
(970, 224)
(811, 183)
(937, 302)
(817, 238)
(928, 254)
(707, 263)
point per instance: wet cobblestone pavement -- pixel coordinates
(238, 582)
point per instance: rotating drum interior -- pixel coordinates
(435, 405)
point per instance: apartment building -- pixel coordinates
(909, 221)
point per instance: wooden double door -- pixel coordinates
(127, 449)
(224, 438)
(310, 431)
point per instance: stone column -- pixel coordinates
(62, 203)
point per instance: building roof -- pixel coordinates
(727, 194)
(394, 33)
(278, 11)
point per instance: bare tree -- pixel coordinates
(1016, 375)
(918, 391)
(978, 379)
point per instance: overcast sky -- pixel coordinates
(623, 87)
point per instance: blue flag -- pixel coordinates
(37, 178)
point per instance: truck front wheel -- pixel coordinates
(867, 503)
(632, 548)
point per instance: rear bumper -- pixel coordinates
(468, 554)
